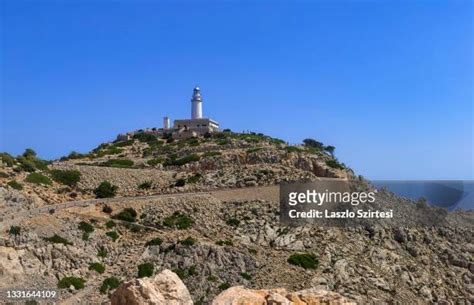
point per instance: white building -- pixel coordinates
(197, 125)
(182, 128)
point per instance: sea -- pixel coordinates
(449, 194)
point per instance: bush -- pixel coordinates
(69, 281)
(234, 222)
(38, 178)
(155, 161)
(4, 175)
(107, 209)
(293, 149)
(246, 276)
(109, 284)
(313, 143)
(112, 234)
(226, 242)
(98, 267)
(66, 177)
(14, 230)
(144, 137)
(7, 159)
(178, 220)
(194, 178)
(145, 270)
(105, 190)
(121, 163)
(224, 286)
(56, 239)
(85, 236)
(183, 160)
(334, 164)
(255, 149)
(75, 155)
(305, 260)
(127, 214)
(154, 242)
(86, 227)
(102, 252)
(145, 185)
(211, 154)
(110, 224)
(180, 182)
(189, 241)
(15, 185)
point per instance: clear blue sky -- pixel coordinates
(389, 83)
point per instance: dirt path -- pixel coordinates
(249, 193)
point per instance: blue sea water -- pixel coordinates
(450, 194)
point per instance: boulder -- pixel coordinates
(166, 288)
(239, 295)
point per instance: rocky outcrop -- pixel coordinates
(165, 288)
(241, 296)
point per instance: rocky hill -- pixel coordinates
(207, 209)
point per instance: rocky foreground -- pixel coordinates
(167, 288)
(213, 221)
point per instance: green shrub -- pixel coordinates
(7, 159)
(15, 185)
(14, 230)
(293, 149)
(85, 236)
(38, 178)
(144, 137)
(181, 273)
(194, 178)
(98, 267)
(102, 252)
(224, 286)
(110, 224)
(183, 160)
(112, 234)
(107, 209)
(178, 220)
(86, 227)
(211, 154)
(121, 163)
(212, 278)
(75, 155)
(223, 141)
(255, 149)
(109, 283)
(145, 185)
(189, 241)
(69, 281)
(226, 242)
(313, 143)
(155, 161)
(154, 242)
(66, 177)
(145, 270)
(4, 175)
(234, 222)
(180, 182)
(334, 164)
(56, 239)
(305, 260)
(124, 143)
(105, 190)
(246, 276)
(127, 214)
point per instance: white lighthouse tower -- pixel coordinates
(196, 104)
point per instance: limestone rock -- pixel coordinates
(239, 295)
(166, 288)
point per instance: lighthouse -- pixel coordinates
(196, 104)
